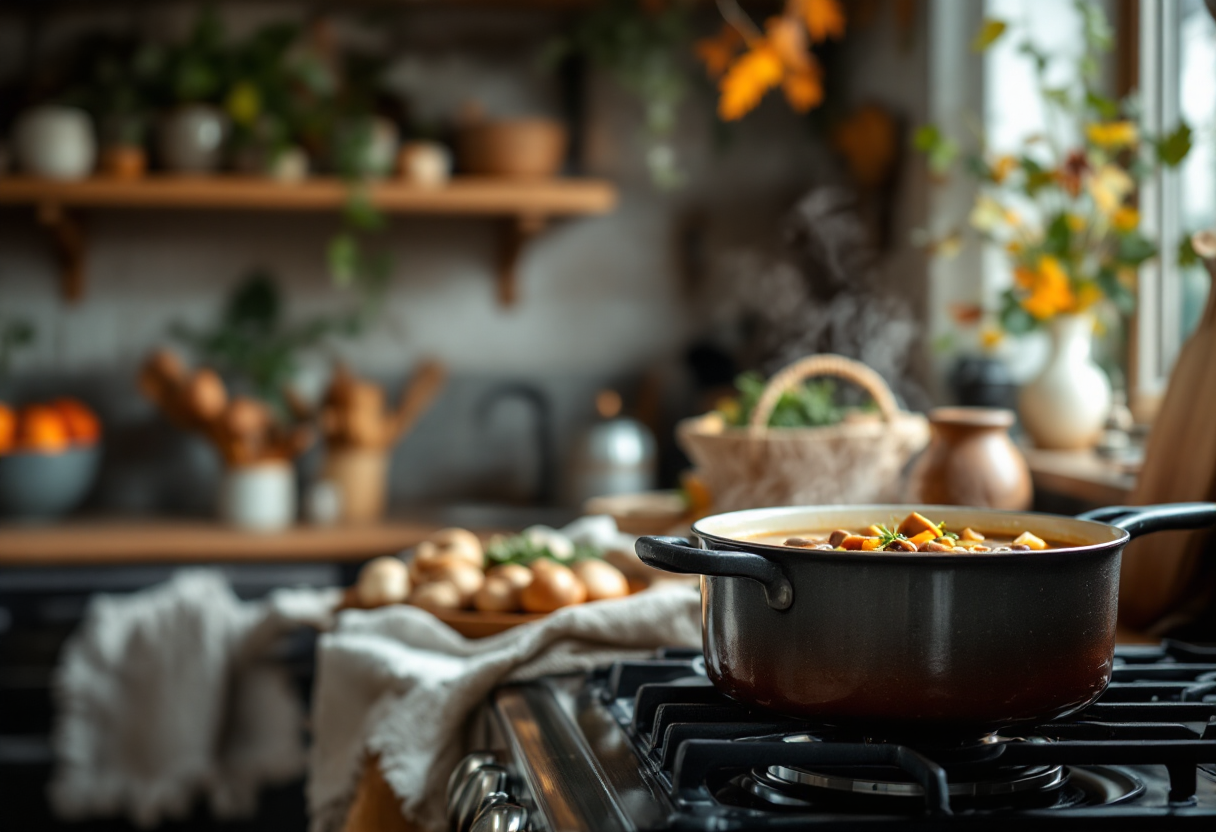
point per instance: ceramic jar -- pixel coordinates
(259, 497)
(55, 142)
(1065, 407)
(971, 461)
(191, 138)
(426, 164)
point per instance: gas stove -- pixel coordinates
(652, 745)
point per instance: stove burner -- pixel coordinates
(894, 783)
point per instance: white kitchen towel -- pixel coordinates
(398, 683)
(161, 696)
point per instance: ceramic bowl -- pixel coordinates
(46, 485)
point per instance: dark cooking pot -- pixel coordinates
(901, 644)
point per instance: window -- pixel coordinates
(1177, 66)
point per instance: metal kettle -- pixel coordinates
(615, 455)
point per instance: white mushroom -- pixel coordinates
(468, 579)
(436, 596)
(382, 581)
(515, 574)
(497, 594)
(553, 586)
(601, 579)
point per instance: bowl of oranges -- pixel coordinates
(49, 455)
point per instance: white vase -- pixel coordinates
(259, 497)
(55, 142)
(1066, 406)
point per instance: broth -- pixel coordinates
(915, 533)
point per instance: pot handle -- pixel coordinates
(1138, 520)
(674, 554)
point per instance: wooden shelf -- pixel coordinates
(524, 205)
(101, 542)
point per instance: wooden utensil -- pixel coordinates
(1161, 577)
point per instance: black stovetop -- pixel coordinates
(652, 744)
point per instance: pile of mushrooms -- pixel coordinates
(243, 430)
(449, 572)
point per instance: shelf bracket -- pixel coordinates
(68, 237)
(516, 235)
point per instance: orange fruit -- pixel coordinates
(82, 424)
(8, 428)
(42, 429)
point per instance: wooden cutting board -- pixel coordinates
(1163, 575)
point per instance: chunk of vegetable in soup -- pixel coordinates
(915, 533)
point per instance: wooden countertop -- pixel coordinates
(96, 542)
(1082, 475)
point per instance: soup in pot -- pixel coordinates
(915, 533)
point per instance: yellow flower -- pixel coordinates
(752, 75)
(990, 337)
(1128, 277)
(1076, 223)
(1014, 247)
(1125, 218)
(1108, 186)
(1112, 134)
(1087, 295)
(1050, 292)
(243, 103)
(1002, 167)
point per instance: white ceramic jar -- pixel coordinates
(191, 138)
(1065, 407)
(259, 497)
(55, 142)
(426, 164)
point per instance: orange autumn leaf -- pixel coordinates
(804, 89)
(787, 36)
(717, 52)
(752, 75)
(824, 19)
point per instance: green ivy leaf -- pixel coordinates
(1014, 319)
(1134, 248)
(1122, 297)
(1107, 109)
(990, 31)
(939, 149)
(1059, 236)
(1187, 256)
(1173, 147)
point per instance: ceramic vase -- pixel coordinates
(259, 497)
(55, 142)
(1065, 407)
(971, 461)
(191, 139)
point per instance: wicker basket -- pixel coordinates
(856, 461)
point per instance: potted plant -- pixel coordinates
(116, 81)
(1062, 207)
(196, 75)
(265, 104)
(239, 397)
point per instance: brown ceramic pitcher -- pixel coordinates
(971, 461)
